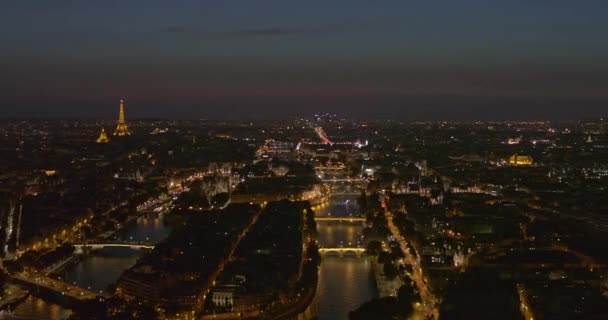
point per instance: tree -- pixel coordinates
(3, 278)
(374, 247)
(384, 257)
(378, 309)
(408, 295)
(313, 253)
(409, 269)
(362, 202)
(390, 271)
(396, 252)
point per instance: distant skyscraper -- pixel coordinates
(121, 127)
(103, 137)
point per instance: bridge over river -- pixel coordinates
(342, 251)
(97, 246)
(341, 219)
(40, 281)
(344, 266)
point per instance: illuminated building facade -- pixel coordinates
(520, 160)
(121, 127)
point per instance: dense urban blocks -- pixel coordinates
(177, 275)
(219, 218)
(273, 267)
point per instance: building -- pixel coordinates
(121, 127)
(223, 297)
(103, 137)
(520, 160)
(141, 284)
(277, 149)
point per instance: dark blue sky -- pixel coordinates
(253, 59)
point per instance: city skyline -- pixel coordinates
(317, 160)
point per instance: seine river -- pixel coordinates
(344, 282)
(98, 271)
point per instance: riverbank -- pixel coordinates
(15, 296)
(97, 270)
(63, 265)
(301, 308)
(386, 288)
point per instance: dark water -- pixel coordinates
(37, 309)
(338, 206)
(98, 271)
(102, 269)
(149, 228)
(339, 234)
(344, 282)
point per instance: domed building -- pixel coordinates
(103, 137)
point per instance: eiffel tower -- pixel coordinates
(121, 127)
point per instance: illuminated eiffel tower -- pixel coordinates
(121, 127)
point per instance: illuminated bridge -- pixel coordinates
(341, 219)
(344, 180)
(342, 251)
(97, 246)
(37, 280)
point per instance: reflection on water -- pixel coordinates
(99, 270)
(149, 228)
(96, 272)
(338, 207)
(339, 234)
(344, 284)
(37, 309)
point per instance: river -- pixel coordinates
(97, 272)
(344, 282)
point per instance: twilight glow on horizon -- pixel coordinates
(269, 59)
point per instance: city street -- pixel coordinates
(428, 299)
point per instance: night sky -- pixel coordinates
(407, 60)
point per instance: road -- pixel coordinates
(428, 299)
(321, 133)
(56, 285)
(524, 305)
